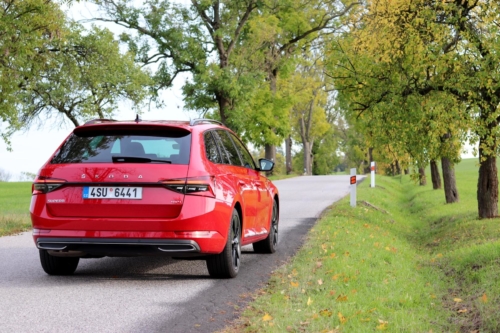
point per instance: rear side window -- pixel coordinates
(211, 149)
(167, 146)
(228, 147)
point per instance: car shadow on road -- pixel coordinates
(140, 268)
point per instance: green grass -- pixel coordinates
(14, 207)
(401, 261)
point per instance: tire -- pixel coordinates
(58, 265)
(227, 263)
(269, 244)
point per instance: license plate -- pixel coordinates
(112, 192)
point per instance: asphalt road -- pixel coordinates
(151, 294)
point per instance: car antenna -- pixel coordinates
(137, 119)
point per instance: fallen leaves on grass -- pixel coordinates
(325, 313)
(267, 317)
(383, 324)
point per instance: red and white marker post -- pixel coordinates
(353, 187)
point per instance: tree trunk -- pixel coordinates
(270, 154)
(367, 168)
(450, 186)
(422, 177)
(435, 176)
(487, 187)
(307, 157)
(288, 152)
(224, 104)
(398, 168)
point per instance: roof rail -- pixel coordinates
(202, 120)
(98, 121)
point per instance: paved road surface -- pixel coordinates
(150, 294)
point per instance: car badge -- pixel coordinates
(140, 176)
(83, 176)
(125, 176)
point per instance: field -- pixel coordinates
(14, 207)
(401, 261)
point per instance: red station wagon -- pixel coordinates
(138, 188)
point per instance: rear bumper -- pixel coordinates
(65, 247)
(201, 228)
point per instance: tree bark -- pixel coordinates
(367, 168)
(487, 187)
(307, 157)
(422, 177)
(269, 148)
(270, 154)
(398, 168)
(450, 186)
(435, 176)
(288, 152)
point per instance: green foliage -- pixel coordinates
(238, 54)
(325, 157)
(51, 66)
(266, 114)
(431, 78)
(87, 77)
(28, 29)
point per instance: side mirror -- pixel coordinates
(265, 164)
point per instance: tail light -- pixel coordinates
(203, 186)
(44, 185)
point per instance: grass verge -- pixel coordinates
(401, 261)
(14, 207)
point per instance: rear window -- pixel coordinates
(167, 146)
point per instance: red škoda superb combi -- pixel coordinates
(139, 188)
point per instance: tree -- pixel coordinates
(49, 64)
(283, 31)
(27, 30)
(324, 151)
(308, 114)
(200, 40)
(230, 48)
(87, 77)
(395, 87)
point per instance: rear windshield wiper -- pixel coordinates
(132, 159)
